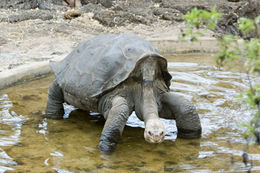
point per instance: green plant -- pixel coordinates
(233, 48)
(247, 51)
(196, 19)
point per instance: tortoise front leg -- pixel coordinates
(54, 109)
(187, 119)
(116, 119)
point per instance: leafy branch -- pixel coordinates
(196, 19)
(232, 48)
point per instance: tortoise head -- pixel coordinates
(154, 131)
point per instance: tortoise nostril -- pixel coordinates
(162, 133)
(150, 133)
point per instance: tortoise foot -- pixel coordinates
(108, 141)
(189, 134)
(106, 146)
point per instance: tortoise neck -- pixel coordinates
(150, 108)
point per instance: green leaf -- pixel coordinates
(196, 18)
(246, 25)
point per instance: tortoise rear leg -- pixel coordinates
(54, 109)
(183, 111)
(116, 117)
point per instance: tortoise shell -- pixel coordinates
(103, 62)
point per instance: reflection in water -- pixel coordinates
(30, 143)
(11, 123)
(6, 162)
(10, 131)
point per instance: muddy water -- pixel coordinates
(30, 143)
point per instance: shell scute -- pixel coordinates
(100, 64)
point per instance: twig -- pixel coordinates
(257, 28)
(253, 90)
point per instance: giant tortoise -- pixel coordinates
(116, 74)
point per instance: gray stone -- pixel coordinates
(105, 3)
(168, 14)
(27, 15)
(91, 8)
(20, 4)
(111, 19)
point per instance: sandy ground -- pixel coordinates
(26, 47)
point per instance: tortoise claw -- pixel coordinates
(106, 147)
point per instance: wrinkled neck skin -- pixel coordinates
(154, 129)
(150, 110)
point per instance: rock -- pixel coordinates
(135, 18)
(117, 13)
(105, 3)
(27, 15)
(134, 4)
(50, 5)
(121, 12)
(91, 8)
(186, 5)
(32, 4)
(72, 14)
(85, 2)
(56, 2)
(172, 17)
(144, 16)
(248, 9)
(111, 19)
(229, 23)
(118, 18)
(20, 4)
(168, 14)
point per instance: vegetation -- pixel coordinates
(244, 48)
(196, 19)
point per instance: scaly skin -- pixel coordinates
(154, 129)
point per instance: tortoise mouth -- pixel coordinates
(154, 139)
(154, 131)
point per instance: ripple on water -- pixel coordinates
(11, 121)
(6, 161)
(61, 170)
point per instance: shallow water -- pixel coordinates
(30, 143)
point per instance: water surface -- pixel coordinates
(30, 143)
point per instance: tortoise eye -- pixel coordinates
(150, 133)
